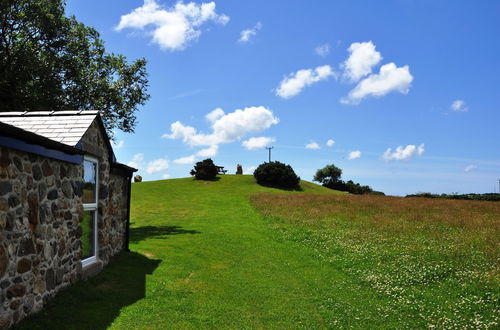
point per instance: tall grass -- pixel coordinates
(437, 261)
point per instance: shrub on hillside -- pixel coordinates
(276, 174)
(239, 169)
(205, 170)
(329, 176)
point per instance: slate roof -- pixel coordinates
(66, 127)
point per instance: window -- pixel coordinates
(89, 223)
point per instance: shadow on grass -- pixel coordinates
(159, 232)
(95, 303)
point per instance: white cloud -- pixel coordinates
(185, 160)
(354, 155)
(389, 79)
(312, 145)
(363, 57)
(469, 168)
(459, 106)
(226, 128)
(165, 176)
(322, 50)
(137, 161)
(404, 153)
(118, 145)
(249, 170)
(172, 28)
(214, 115)
(295, 82)
(208, 152)
(247, 34)
(258, 142)
(330, 143)
(157, 165)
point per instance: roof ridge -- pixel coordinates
(48, 113)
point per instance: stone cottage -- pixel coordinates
(64, 205)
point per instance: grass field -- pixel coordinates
(232, 254)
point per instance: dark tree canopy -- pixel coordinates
(52, 62)
(205, 170)
(328, 175)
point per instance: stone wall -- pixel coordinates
(40, 234)
(40, 213)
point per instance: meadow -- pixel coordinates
(233, 254)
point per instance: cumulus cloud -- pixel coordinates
(312, 145)
(185, 160)
(258, 142)
(389, 79)
(225, 127)
(295, 82)
(165, 176)
(157, 165)
(322, 50)
(469, 168)
(363, 57)
(171, 28)
(247, 34)
(137, 161)
(459, 106)
(354, 155)
(208, 152)
(330, 143)
(404, 153)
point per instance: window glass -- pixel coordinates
(88, 234)
(89, 182)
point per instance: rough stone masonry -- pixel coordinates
(40, 234)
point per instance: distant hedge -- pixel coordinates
(471, 197)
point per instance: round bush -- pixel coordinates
(276, 174)
(205, 170)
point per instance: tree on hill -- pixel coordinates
(49, 61)
(329, 176)
(205, 170)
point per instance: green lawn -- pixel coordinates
(208, 255)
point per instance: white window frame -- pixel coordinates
(93, 207)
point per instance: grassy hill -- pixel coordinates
(233, 254)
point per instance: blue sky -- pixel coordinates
(406, 90)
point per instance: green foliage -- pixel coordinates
(205, 170)
(329, 176)
(472, 197)
(239, 169)
(276, 174)
(51, 62)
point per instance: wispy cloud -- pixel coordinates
(354, 155)
(185, 160)
(459, 106)
(157, 165)
(322, 50)
(469, 168)
(312, 145)
(247, 34)
(258, 142)
(404, 153)
(293, 84)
